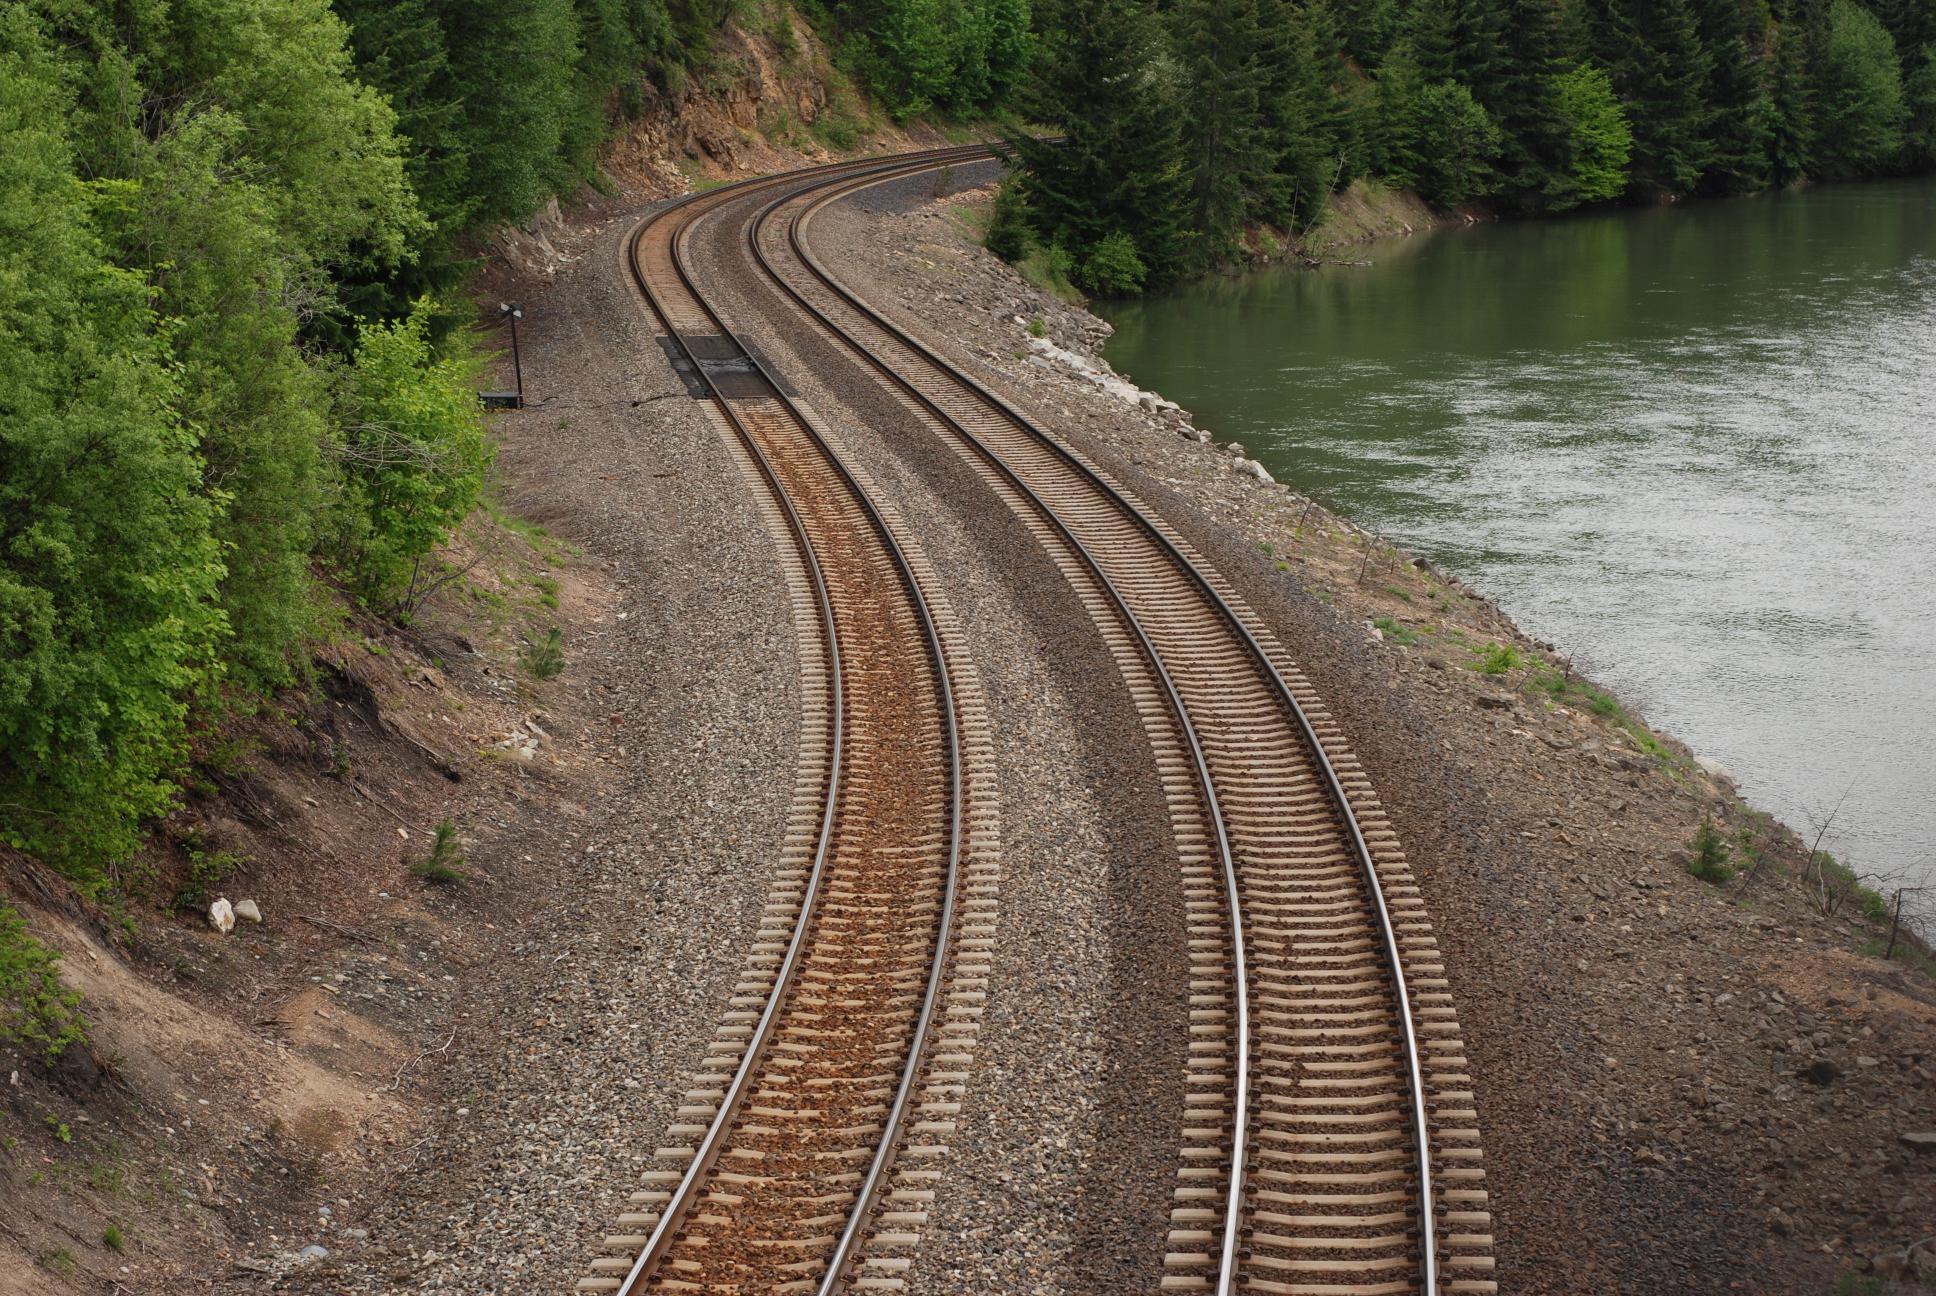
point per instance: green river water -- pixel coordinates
(1697, 445)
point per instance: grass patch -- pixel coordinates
(1048, 269)
(547, 591)
(112, 1239)
(1497, 659)
(1398, 593)
(1037, 329)
(444, 865)
(839, 129)
(1403, 636)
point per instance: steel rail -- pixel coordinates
(843, 187)
(1199, 760)
(681, 1200)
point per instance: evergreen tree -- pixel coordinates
(1435, 137)
(1523, 100)
(1298, 105)
(1652, 49)
(1226, 142)
(1859, 104)
(1121, 168)
(512, 65)
(1790, 107)
(1738, 112)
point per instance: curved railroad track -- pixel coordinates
(833, 1082)
(1330, 1142)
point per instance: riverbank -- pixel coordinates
(1715, 1072)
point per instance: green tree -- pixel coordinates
(1226, 144)
(1790, 107)
(1107, 83)
(1523, 100)
(413, 454)
(1435, 137)
(1738, 107)
(1652, 50)
(1599, 142)
(1859, 101)
(108, 570)
(1919, 96)
(513, 67)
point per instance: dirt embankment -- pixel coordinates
(1684, 1086)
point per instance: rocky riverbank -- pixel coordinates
(1717, 1076)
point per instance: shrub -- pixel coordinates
(414, 455)
(1112, 268)
(1007, 235)
(1498, 659)
(35, 1008)
(1708, 855)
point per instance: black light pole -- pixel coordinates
(516, 312)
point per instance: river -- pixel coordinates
(1695, 445)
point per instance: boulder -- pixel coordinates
(247, 909)
(221, 915)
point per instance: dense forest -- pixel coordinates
(237, 391)
(1188, 122)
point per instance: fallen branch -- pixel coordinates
(397, 1083)
(350, 932)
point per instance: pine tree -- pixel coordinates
(1919, 95)
(1738, 116)
(1522, 98)
(1120, 169)
(1791, 101)
(1226, 142)
(1298, 104)
(1652, 49)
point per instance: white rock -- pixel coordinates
(221, 915)
(1255, 469)
(247, 909)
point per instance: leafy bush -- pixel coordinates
(35, 1008)
(108, 568)
(1498, 659)
(1601, 141)
(1112, 268)
(414, 455)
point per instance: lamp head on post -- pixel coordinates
(512, 311)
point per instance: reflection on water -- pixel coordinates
(1694, 444)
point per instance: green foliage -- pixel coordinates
(35, 1008)
(1435, 137)
(112, 1239)
(1599, 141)
(1112, 268)
(1708, 855)
(444, 865)
(108, 568)
(1919, 97)
(1652, 50)
(207, 871)
(1396, 633)
(1007, 235)
(1106, 79)
(413, 461)
(1860, 109)
(917, 56)
(1498, 659)
(546, 658)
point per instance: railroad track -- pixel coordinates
(1330, 1142)
(806, 1150)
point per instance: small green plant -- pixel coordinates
(547, 591)
(1401, 635)
(60, 1262)
(1708, 855)
(1037, 328)
(60, 1130)
(207, 870)
(1498, 659)
(444, 866)
(35, 1008)
(1048, 269)
(1007, 235)
(111, 1238)
(838, 130)
(545, 658)
(1397, 593)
